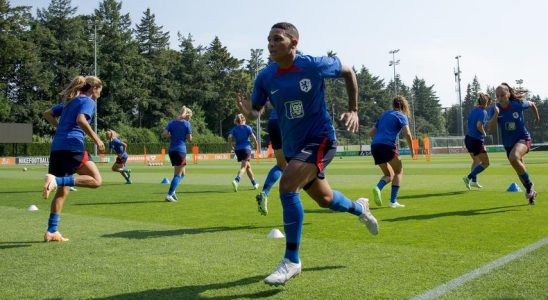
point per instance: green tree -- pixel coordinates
(150, 36)
(428, 115)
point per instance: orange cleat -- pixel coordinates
(50, 185)
(54, 237)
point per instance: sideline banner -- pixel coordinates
(32, 160)
(7, 160)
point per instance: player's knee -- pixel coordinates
(97, 182)
(324, 201)
(485, 164)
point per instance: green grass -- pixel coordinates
(126, 242)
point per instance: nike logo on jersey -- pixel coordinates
(306, 152)
(274, 92)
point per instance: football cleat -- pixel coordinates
(377, 196)
(170, 198)
(262, 203)
(395, 205)
(367, 218)
(475, 184)
(467, 182)
(54, 237)
(255, 186)
(235, 185)
(285, 271)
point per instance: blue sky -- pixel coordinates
(499, 40)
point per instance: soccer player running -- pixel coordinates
(383, 148)
(68, 155)
(179, 131)
(508, 113)
(474, 141)
(295, 86)
(240, 135)
(276, 171)
(119, 148)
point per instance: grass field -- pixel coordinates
(127, 243)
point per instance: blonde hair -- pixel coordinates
(239, 119)
(113, 134)
(483, 99)
(185, 113)
(80, 84)
(400, 103)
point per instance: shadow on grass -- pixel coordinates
(115, 203)
(320, 211)
(17, 244)
(464, 213)
(195, 291)
(21, 192)
(432, 195)
(145, 234)
(2, 247)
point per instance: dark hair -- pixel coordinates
(514, 95)
(289, 29)
(483, 99)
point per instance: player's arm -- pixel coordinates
(254, 139)
(372, 132)
(250, 111)
(124, 145)
(231, 141)
(83, 123)
(166, 134)
(50, 117)
(479, 126)
(351, 120)
(189, 137)
(493, 121)
(535, 112)
(408, 138)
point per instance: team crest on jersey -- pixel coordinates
(515, 115)
(294, 109)
(306, 85)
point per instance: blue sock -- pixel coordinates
(381, 184)
(273, 175)
(53, 222)
(341, 203)
(394, 193)
(253, 182)
(174, 183)
(65, 181)
(293, 216)
(477, 169)
(526, 181)
(237, 178)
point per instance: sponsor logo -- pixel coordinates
(294, 109)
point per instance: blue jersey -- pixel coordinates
(298, 96)
(478, 114)
(273, 115)
(178, 130)
(511, 122)
(117, 145)
(241, 134)
(69, 136)
(388, 127)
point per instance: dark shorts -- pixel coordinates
(274, 134)
(522, 141)
(177, 158)
(66, 163)
(243, 154)
(121, 160)
(383, 153)
(474, 145)
(318, 153)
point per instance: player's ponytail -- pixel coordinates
(73, 88)
(400, 103)
(186, 113)
(483, 99)
(515, 95)
(239, 119)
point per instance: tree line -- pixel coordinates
(146, 82)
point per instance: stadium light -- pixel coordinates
(393, 63)
(457, 79)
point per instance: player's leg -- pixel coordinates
(516, 160)
(396, 166)
(52, 233)
(251, 176)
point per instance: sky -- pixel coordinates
(498, 40)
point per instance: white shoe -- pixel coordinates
(170, 198)
(367, 218)
(175, 197)
(476, 185)
(73, 189)
(467, 182)
(256, 186)
(285, 271)
(235, 185)
(50, 185)
(395, 204)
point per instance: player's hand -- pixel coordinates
(243, 103)
(351, 121)
(101, 146)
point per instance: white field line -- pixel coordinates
(447, 287)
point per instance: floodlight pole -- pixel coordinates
(457, 78)
(95, 74)
(393, 63)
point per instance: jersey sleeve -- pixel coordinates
(88, 108)
(483, 118)
(168, 126)
(57, 110)
(259, 96)
(328, 66)
(404, 120)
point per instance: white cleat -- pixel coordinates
(476, 185)
(395, 205)
(170, 198)
(50, 185)
(235, 185)
(467, 182)
(285, 271)
(255, 186)
(367, 217)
